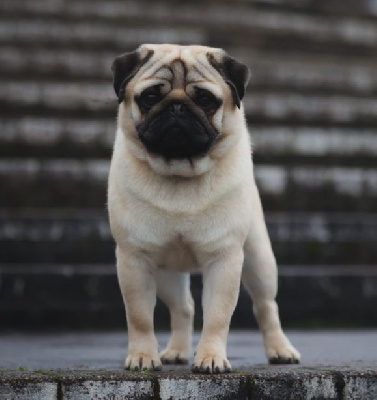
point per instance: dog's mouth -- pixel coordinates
(177, 137)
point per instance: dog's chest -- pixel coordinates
(176, 255)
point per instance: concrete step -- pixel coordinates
(344, 8)
(57, 137)
(81, 21)
(69, 98)
(83, 236)
(304, 73)
(82, 183)
(309, 72)
(338, 7)
(89, 365)
(56, 225)
(295, 108)
(82, 99)
(89, 34)
(306, 141)
(87, 296)
(48, 137)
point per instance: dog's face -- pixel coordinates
(179, 96)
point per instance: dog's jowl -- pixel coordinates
(182, 197)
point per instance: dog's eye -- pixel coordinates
(206, 100)
(151, 96)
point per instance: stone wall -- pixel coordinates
(311, 106)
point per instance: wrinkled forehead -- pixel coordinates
(179, 68)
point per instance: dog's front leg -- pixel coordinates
(221, 283)
(138, 288)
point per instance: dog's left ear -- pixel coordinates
(235, 74)
(125, 67)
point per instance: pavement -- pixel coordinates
(335, 365)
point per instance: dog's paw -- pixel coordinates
(211, 364)
(143, 362)
(174, 356)
(280, 351)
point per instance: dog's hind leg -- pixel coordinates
(173, 288)
(260, 278)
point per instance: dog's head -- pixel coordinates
(178, 97)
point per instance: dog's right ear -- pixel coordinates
(125, 67)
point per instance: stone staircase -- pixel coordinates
(312, 110)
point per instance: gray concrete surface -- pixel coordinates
(335, 365)
(345, 349)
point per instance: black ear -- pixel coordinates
(235, 74)
(124, 68)
(238, 76)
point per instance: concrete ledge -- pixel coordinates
(256, 383)
(24, 389)
(360, 386)
(112, 386)
(336, 365)
(204, 387)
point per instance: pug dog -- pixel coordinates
(182, 198)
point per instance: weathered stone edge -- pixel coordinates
(260, 384)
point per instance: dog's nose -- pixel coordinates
(177, 108)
